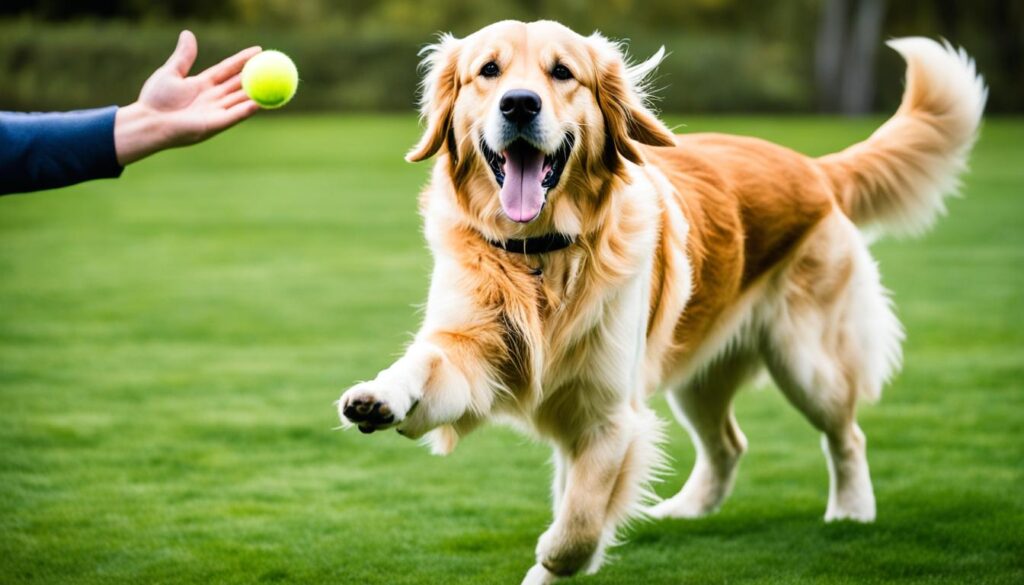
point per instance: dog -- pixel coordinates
(586, 257)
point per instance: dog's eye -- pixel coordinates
(561, 72)
(490, 70)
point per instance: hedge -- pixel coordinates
(84, 64)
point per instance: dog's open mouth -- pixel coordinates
(525, 175)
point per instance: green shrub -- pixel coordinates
(56, 67)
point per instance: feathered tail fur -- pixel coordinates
(897, 179)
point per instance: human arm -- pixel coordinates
(43, 151)
(48, 150)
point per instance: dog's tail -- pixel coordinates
(896, 180)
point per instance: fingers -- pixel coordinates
(230, 86)
(232, 99)
(229, 67)
(233, 115)
(184, 54)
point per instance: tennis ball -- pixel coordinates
(270, 79)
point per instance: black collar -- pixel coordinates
(539, 245)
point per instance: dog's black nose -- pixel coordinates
(520, 106)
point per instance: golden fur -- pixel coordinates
(697, 259)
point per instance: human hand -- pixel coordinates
(176, 110)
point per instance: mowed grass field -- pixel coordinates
(171, 344)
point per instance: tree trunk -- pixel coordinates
(849, 33)
(828, 54)
(858, 87)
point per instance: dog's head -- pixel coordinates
(527, 112)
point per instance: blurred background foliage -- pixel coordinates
(725, 55)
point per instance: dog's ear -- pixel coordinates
(619, 90)
(439, 89)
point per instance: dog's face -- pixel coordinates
(528, 112)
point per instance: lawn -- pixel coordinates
(171, 344)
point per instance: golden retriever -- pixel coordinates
(586, 257)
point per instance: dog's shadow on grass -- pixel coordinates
(798, 545)
(731, 527)
(766, 527)
(784, 546)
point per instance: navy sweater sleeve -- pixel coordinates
(43, 151)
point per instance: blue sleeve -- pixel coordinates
(43, 151)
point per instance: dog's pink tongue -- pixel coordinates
(522, 195)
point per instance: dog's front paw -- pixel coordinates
(372, 407)
(538, 575)
(563, 553)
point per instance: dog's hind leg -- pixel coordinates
(830, 339)
(704, 407)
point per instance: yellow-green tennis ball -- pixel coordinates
(270, 79)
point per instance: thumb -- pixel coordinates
(184, 54)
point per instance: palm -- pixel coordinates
(166, 91)
(202, 105)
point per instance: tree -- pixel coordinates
(849, 33)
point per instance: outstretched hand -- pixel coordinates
(176, 110)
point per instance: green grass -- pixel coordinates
(171, 345)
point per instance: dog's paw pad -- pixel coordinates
(370, 411)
